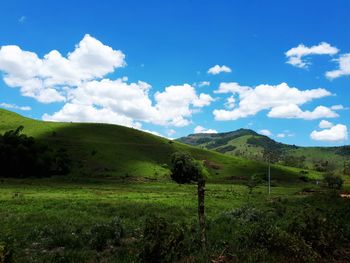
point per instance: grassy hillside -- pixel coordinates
(125, 153)
(249, 144)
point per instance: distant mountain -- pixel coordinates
(249, 144)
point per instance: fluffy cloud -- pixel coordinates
(118, 102)
(47, 78)
(337, 107)
(200, 129)
(78, 79)
(281, 135)
(174, 105)
(203, 84)
(292, 111)
(15, 107)
(295, 55)
(230, 102)
(325, 124)
(265, 132)
(218, 69)
(344, 67)
(337, 133)
(282, 101)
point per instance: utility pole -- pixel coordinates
(269, 176)
(201, 213)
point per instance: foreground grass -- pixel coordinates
(26, 206)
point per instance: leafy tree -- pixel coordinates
(184, 169)
(333, 181)
(346, 170)
(23, 156)
(253, 182)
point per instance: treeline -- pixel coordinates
(23, 156)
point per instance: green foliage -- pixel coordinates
(344, 151)
(184, 169)
(102, 235)
(333, 181)
(319, 231)
(228, 148)
(5, 253)
(22, 156)
(162, 242)
(253, 182)
(294, 161)
(254, 236)
(324, 166)
(346, 170)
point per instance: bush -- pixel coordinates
(184, 168)
(102, 235)
(162, 242)
(318, 231)
(333, 181)
(5, 253)
(253, 235)
(23, 156)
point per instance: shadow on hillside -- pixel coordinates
(102, 150)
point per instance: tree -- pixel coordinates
(346, 170)
(23, 156)
(253, 182)
(333, 181)
(184, 169)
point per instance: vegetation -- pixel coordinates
(119, 202)
(22, 156)
(248, 144)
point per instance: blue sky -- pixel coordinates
(131, 60)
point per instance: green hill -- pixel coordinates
(103, 150)
(249, 144)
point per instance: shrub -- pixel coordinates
(333, 181)
(102, 235)
(162, 242)
(184, 168)
(23, 156)
(317, 230)
(5, 253)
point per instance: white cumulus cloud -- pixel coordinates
(219, 69)
(282, 101)
(293, 111)
(79, 80)
(200, 129)
(15, 107)
(119, 102)
(295, 55)
(265, 132)
(325, 124)
(344, 67)
(47, 78)
(281, 135)
(337, 133)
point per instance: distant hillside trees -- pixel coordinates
(294, 161)
(22, 156)
(323, 166)
(346, 170)
(333, 181)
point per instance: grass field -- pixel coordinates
(32, 205)
(122, 172)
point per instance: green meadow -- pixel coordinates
(120, 179)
